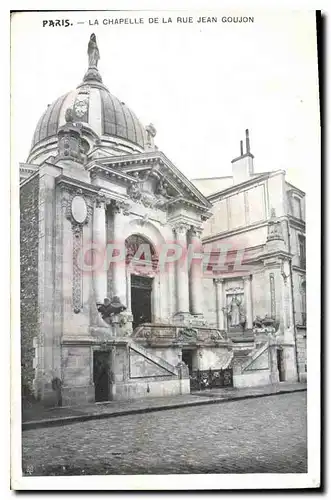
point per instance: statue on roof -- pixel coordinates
(151, 133)
(93, 52)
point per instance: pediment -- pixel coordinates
(152, 176)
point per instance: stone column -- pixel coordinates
(119, 266)
(248, 299)
(182, 282)
(99, 245)
(219, 301)
(195, 275)
(128, 288)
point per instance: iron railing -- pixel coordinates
(208, 379)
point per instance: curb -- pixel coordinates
(55, 422)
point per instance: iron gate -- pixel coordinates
(208, 379)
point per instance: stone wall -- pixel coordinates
(29, 228)
(212, 358)
(302, 353)
(209, 302)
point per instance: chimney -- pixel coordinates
(248, 146)
(242, 166)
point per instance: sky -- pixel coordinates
(200, 84)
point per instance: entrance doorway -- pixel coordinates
(141, 299)
(280, 365)
(101, 375)
(187, 357)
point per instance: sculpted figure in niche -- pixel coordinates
(162, 189)
(93, 52)
(234, 311)
(134, 191)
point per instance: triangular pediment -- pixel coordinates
(169, 181)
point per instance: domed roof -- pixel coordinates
(92, 104)
(97, 107)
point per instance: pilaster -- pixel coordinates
(219, 284)
(248, 299)
(195, 273)
(99, 250)
(182, 280)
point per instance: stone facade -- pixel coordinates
(29, 213)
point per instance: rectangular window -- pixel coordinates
(302, 251)
(297, 207)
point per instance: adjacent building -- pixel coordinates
(259, 221)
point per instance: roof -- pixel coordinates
(95, 106)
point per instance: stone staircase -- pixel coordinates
(153, 358)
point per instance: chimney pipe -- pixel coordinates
(248, 147)
(241, 148)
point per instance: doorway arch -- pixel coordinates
(142, 282)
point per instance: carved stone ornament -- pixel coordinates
(219, 281)
(120, 206)
(265, 325)
(217, 335)
(149, 190)
(196, 231)
(181, 228)
(70, 139)
(151, 133)
(111, 308)
(81, 104)
(78, 209)
(188, 334)
(77, 276)
(274, 227)
(235, 290)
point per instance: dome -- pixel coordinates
(93, 105)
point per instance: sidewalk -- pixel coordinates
(42, 417)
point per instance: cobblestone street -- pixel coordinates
(256, 435)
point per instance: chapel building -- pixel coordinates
(110, 308)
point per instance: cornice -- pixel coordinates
(184, 201)
(279, 254)
(28, 179)
(296, 223)
(109, 173)
(301, 270)
(232, 232)
(244, 185)
(295, 189)
(150, 158)
(74, 184)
